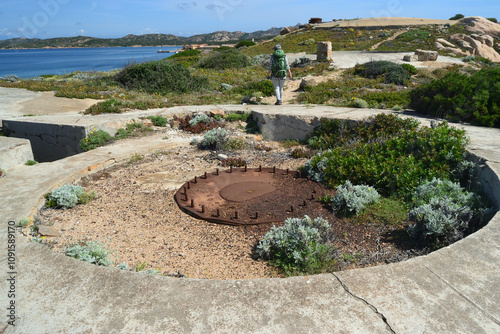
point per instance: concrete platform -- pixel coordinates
(453, 290)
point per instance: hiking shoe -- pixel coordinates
(278, 103)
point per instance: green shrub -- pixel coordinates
(91, 252)
(266, 88)
(234, 162)
(441, 211)
(471, 98)
(234, 144)
(31, 163)
(231, 58)
(233, 117)
(457, 17)
(186, 53)
(67, 196)
(492, 19)
(392, 160)
(409, 68)
(158, 120)
(353, 199)
(358, 103)
(213, 139)
(160, 77)
(246, 43)
(95, 139)
(300, 246)
(392, 72)
(111, 106)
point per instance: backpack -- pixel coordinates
(278, 68)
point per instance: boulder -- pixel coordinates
(308, 81)
(285, 31)
(443, 42)
(426, 55)
(481, 26)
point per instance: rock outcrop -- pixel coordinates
(481, 26)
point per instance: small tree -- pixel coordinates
(457, 17)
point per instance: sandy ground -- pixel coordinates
(384, 21)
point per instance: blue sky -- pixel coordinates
(113, 18)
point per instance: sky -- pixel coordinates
(117, 18)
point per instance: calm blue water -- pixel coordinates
(34, 62)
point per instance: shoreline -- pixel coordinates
(92, 47)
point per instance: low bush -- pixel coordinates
(234, 162)
(111, 106)
(158, 120)
(403, 156)
(231, 58)
(300, 246)
(95, 139)
(214, 139)
(265, 87)
(199, 126)
(358, 103)
(392, 72)
(233, 117)
(91, 252)
(160, 77)
(242, 43)
(441, 211)
(457, 17)
(351, 198)
(201, 118)
(67, 196)
(471, 98)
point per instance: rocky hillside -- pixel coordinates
(137, 40)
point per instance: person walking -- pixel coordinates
(278, 69)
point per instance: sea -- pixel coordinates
(30, 63)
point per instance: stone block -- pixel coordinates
(324, 51)
(14, 151)
(426, 55)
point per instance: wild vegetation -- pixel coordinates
(385, 170)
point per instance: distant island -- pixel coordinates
(137, 40)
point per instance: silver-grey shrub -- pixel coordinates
(201, 118)
(354, 199)
(213, 139)
(299, 246)
(10, 78)
(441, 211)
(91, 252)
(66, 196)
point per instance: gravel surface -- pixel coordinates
(136, 218)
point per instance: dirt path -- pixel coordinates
(393, 37)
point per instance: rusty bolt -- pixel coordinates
(217, 172)
(260, 168)
(274, 169)
(203, 209)
(257, 215)
(230, 169)
(195, 179)
(236, 215)
(245, 169)
(218, 213)
(192, 203)
(291, 208)
(205, 176)
(189, 185)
